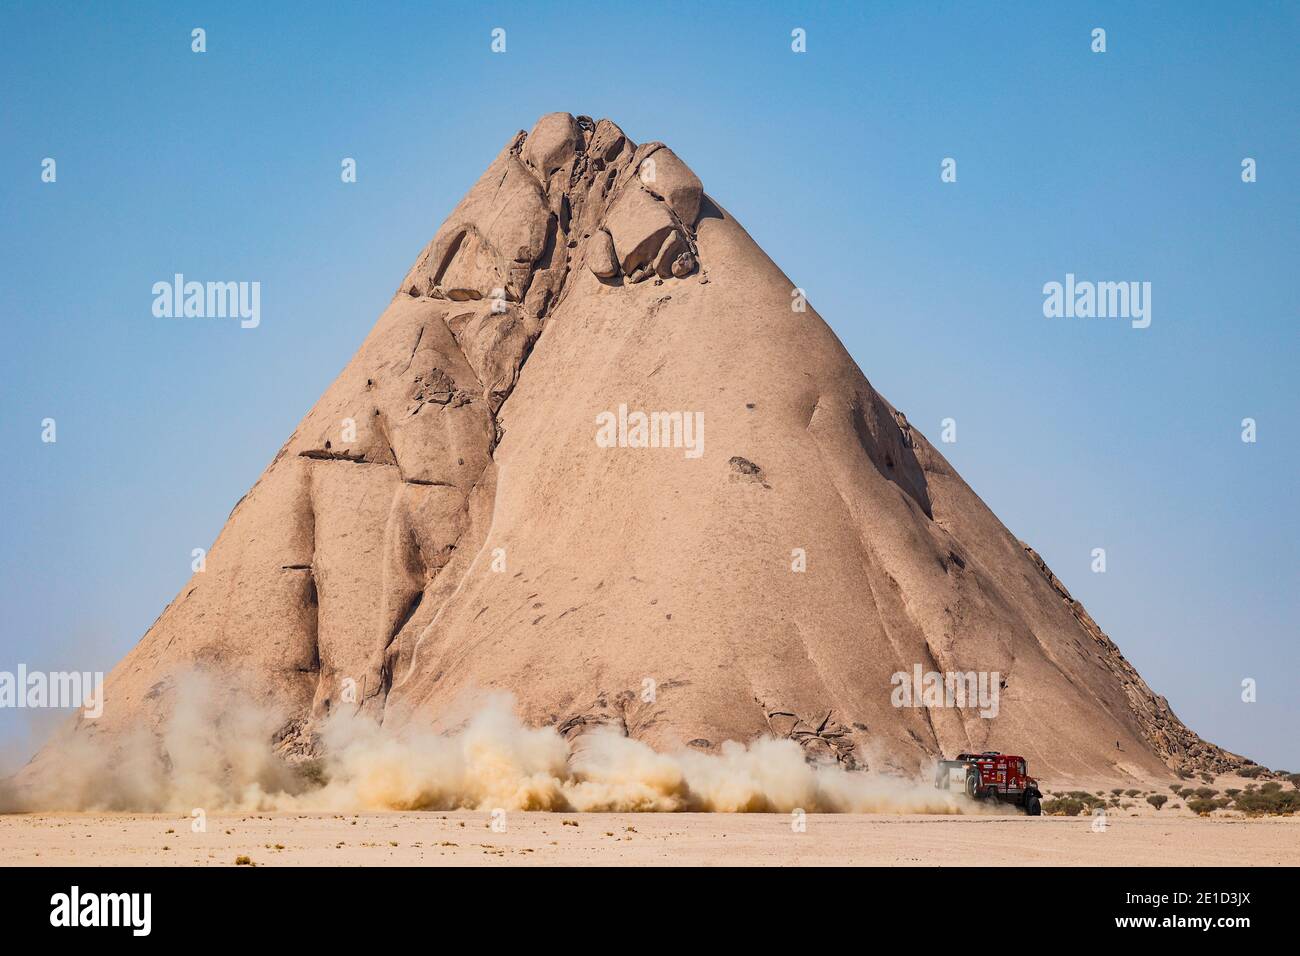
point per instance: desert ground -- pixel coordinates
(466, 838)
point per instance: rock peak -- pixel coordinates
(573, 192)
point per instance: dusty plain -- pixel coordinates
(466, 838)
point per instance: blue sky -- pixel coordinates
(1123, 165)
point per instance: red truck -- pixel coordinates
(991, 776)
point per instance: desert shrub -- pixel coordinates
(1131, 793)
(1157, 800)
(1118, 791)
(1063, 807)
(1205, 793)
(1232, 791)
(1200, 806)
(1270, 786)
(1184, 774)
(313, 772)
(1084, 797)
(1251, 772)
(1282, 802)
(1175, 787)
(1222, 802)
(1295, 779)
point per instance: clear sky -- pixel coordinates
(1079, 433)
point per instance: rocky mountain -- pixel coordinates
(597, 451)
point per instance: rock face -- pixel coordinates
(444, 520)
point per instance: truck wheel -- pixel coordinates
(1033, 807)
(972, 787)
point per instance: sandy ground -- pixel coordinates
(467, 838)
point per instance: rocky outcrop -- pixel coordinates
(570, 190)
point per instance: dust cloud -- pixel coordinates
(219, 757)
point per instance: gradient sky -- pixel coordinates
(1078, 433)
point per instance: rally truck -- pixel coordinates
(993, 776)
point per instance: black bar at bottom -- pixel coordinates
(329, 906)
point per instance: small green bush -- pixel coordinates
(1131, 793)
(1157, 800)
(1084, 797)
(1251, 772)
(1063, 807)
(1200, 806)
